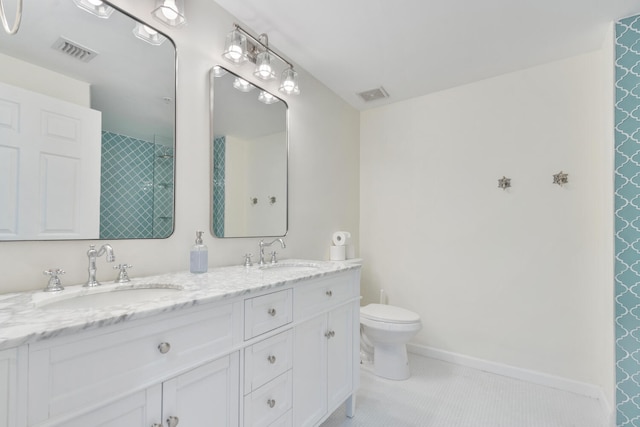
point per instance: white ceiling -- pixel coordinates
(416, 47)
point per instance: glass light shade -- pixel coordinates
(148, 34)
(242, 85)
(169, 12)
(289, 82)
(95, 7)
(267, 98)
(264, 70)
(235, 47)
(218, 71)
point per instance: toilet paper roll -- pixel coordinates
(337, 253)
(341, 238)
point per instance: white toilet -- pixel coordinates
(385, 332)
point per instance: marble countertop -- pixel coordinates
(27, 317)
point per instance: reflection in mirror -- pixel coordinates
(250, 154)
(86, 126)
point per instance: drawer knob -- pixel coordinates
(172, 421)
(272, 311)
(329, 293)
(271, 359)
(164, 347)
(271, 403)
(330, 334)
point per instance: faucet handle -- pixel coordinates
(274, 258)
(54, 284)
(123, 276)
(247, 260)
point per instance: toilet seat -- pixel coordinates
(388, 314)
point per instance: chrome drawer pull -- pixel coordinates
(329, 293)
(272, 311)
(164, 347)
(271, 403)
(172, 421)
(271, 359)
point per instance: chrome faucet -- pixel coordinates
(263, 244)
(93, 254)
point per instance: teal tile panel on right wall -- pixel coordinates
(627, 222)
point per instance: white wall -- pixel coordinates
(521, 277)
(32, 77)
(323, 174)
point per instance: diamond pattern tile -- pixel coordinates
(136, 189)
(627, 222)
(219, 146)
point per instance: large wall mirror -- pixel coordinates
(250, 155)
(87, 125)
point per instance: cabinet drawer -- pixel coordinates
(268, 403)
(323, 294)
(267, 359)
(73, 373)
(267, 312)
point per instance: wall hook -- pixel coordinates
(272, 200)
(560, 178)
(504, 182)
(253, 201)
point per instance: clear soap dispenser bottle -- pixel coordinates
(198, 260)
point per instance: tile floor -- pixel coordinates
(441, 394)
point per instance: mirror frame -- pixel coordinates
(212, 78)
(174, 135)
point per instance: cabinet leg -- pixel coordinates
(351, 406)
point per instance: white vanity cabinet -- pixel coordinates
(12, 368)
(326, 348)
(78, 376)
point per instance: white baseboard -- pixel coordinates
(535, 377)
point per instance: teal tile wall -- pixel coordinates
(136, 190)
(627, 222)
(219, 152)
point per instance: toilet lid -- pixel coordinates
(388, 313)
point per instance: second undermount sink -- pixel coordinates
(284, 266)
(99, 298)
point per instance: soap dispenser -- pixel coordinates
(198, 260)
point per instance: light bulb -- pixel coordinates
(149, 30)
(235, 52)
(96, 2)
(264, 70)
(169, 9)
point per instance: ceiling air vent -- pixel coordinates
(373, 94)
(74, 50)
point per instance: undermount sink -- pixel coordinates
(98, 298)
(297, 267)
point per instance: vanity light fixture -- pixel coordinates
(239, 49)
(242, 85)
(267, 98)
(95, 7)
(170, 12)
(11, 30)
(218, 71)
(148, 34)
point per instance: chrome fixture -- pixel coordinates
(123, 276)
(504, 183)
(95, 7)
(11, 30)
(239, 49)
(54, 284)
(262, 246)
(561, 178)
(267, 98)
(93, 254)
(148, 34)
(242, 85)
(170, 12)
(218, 71)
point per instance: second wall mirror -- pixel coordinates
(250, 157)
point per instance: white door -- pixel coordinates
(340, 355)
(49, 167)
(136, 410)
(206, 396)
(310, 372)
